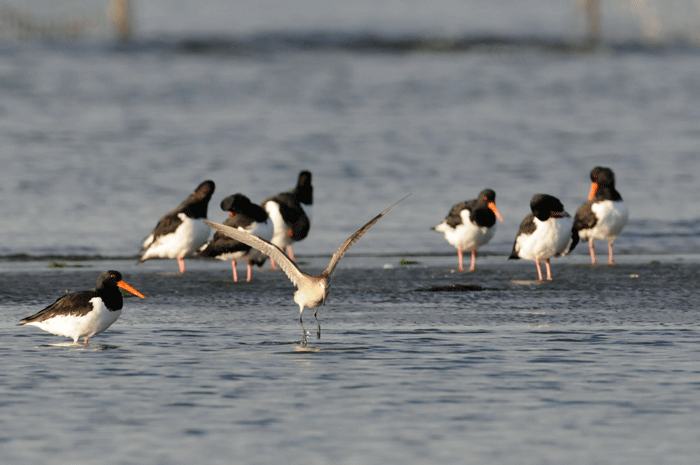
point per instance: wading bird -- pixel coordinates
(545, 233)
(312, 291)
(291, 214)
(84, 313)
(246, 216)
(604, 214)
(471, 224)
(182, 231)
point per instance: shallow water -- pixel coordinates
(598, 366)
(98, 145)
(377, 99)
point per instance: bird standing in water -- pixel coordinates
(182, 231)
(85, 313)
(312, 291)
(604, 214)
(246, 216)
(545, 233)
(471, 224)
(291, 214)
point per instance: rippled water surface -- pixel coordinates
(99, 140)
(599, 366)
(99, 143)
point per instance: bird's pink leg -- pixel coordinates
(235, 272)
(539, 271)
(549, 272)
(459, 256)
(471, 268)
(592, 250)
(290, 253)
(181, 262)
(610, 253)
(250, 268)
(272, 264)
(85, 343)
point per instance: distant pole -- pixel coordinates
(593, 19)
(120, 14)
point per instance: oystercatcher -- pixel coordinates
(291, 214)
(85, 313)
(248, 217)
(604, 214)
(471, 224)
(545, 233)
(182, 231)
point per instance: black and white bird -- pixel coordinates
(545, 233)
(312, 291)
(86, 313)
(291, 214)
(604, 214)
(182, 231)
(245, 216)
(471, 224)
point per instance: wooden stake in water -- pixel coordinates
(120, 16)
(593, 20)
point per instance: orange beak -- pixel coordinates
(126, 287)
(290, 233)
(594, 189)
(492, 206)
(559, 214)
(231, 214)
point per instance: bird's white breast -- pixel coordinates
(280, 237)
(75, 327)
(189, 236)
(311, 295)
(467, 235)
(550, 238)
(612, 217)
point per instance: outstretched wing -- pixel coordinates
(288, 266)
(354, 238)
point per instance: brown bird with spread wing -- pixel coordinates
(312, 291)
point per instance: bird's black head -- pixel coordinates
(487, 196)
(109, 278)
(107, 285)
(236, 203)
(304, 190)
(604, 177)
(545, 206)
(205, 190)
(195, 206)
(239, 204)
(304, 178)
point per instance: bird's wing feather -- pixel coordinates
(168, 224)
(585, 218)
(288, 266)
(454, 217)
(354, 238)
(77, 304)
